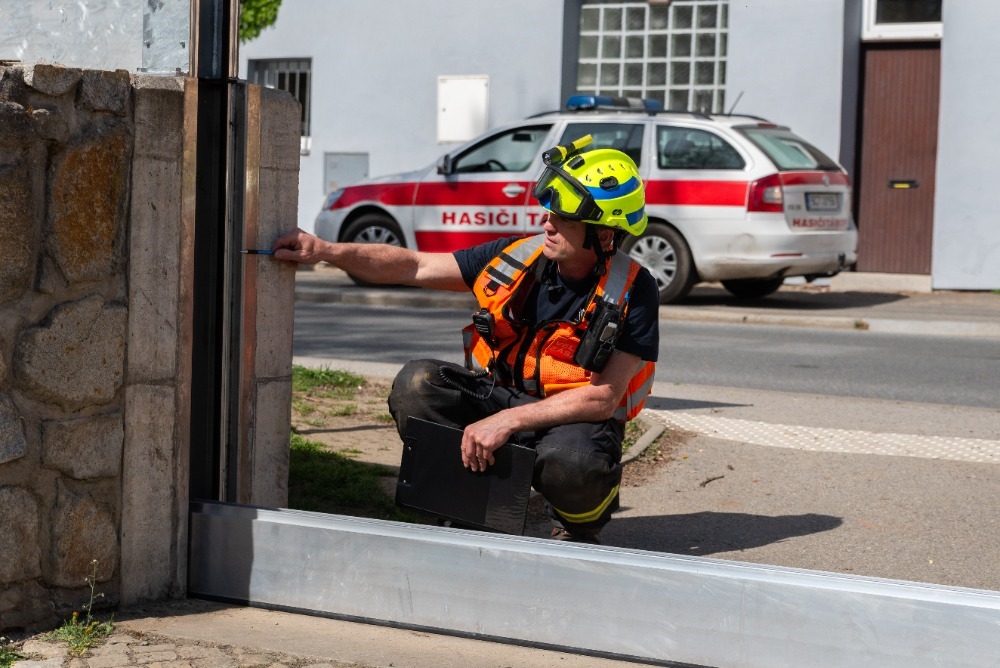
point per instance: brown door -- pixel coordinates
(898, 152)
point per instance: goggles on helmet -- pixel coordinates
(565, 196)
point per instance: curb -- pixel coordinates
(653, 432)
(982, 330)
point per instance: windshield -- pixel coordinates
(787, 150)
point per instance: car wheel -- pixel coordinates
(752, 288)
(662, 250)
(373, 228)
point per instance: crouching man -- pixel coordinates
(561, 353)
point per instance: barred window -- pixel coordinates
(672, 52)
(292, 75)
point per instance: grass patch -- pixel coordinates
(331, 482)
(325, 382)
(8, 655)
(344, 411)
(302, 406)
(83, 634)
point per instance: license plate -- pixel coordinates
(822, 202)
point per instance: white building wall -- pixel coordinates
(786, 58)
(376, 64)
(966, 251)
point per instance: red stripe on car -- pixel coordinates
(447, 242)
(696, 193)
(390, 194)
(814, 179)
(480, 193)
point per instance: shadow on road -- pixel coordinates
(790, 300)
(672, 404)
(711, 532)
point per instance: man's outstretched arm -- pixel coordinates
(374, 263)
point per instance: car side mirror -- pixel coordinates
(445, 165)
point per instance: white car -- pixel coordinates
(735, 199)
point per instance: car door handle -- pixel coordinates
(513, 190)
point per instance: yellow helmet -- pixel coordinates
(601, 187)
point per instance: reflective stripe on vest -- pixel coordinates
(494, 287)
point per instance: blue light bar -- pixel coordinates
(585, 102)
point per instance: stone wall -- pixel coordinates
(97, 188)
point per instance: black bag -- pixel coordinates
(433, 480)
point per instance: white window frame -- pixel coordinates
(876, 32)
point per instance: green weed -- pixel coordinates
(325, 382)
(8, 655)
(83, 634)
(331, 482)
(385, 418)
(344, 411)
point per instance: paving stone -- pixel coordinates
(198, 652)
(45, 648)
(112, 648)
(109, 661)
(215, 662)
(45, 663)
(145, 657)
(159, 647)
(247, 659)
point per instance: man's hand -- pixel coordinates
(300, 246)
(480, 439)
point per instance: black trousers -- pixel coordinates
(577, 466)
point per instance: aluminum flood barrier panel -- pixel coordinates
(629, 604)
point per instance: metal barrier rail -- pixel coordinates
(627, 604)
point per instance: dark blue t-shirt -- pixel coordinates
(559, 299)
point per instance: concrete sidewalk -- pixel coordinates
(941, 313)
(202, 634)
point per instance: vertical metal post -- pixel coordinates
(218, 237)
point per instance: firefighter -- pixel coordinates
(561, 352)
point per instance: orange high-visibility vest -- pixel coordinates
(539, 359)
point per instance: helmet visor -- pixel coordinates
(561, 194)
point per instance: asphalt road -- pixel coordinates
(940, 370)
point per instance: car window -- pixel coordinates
(787, 150)
(690, 148)
(511, 151)
(626, 137)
